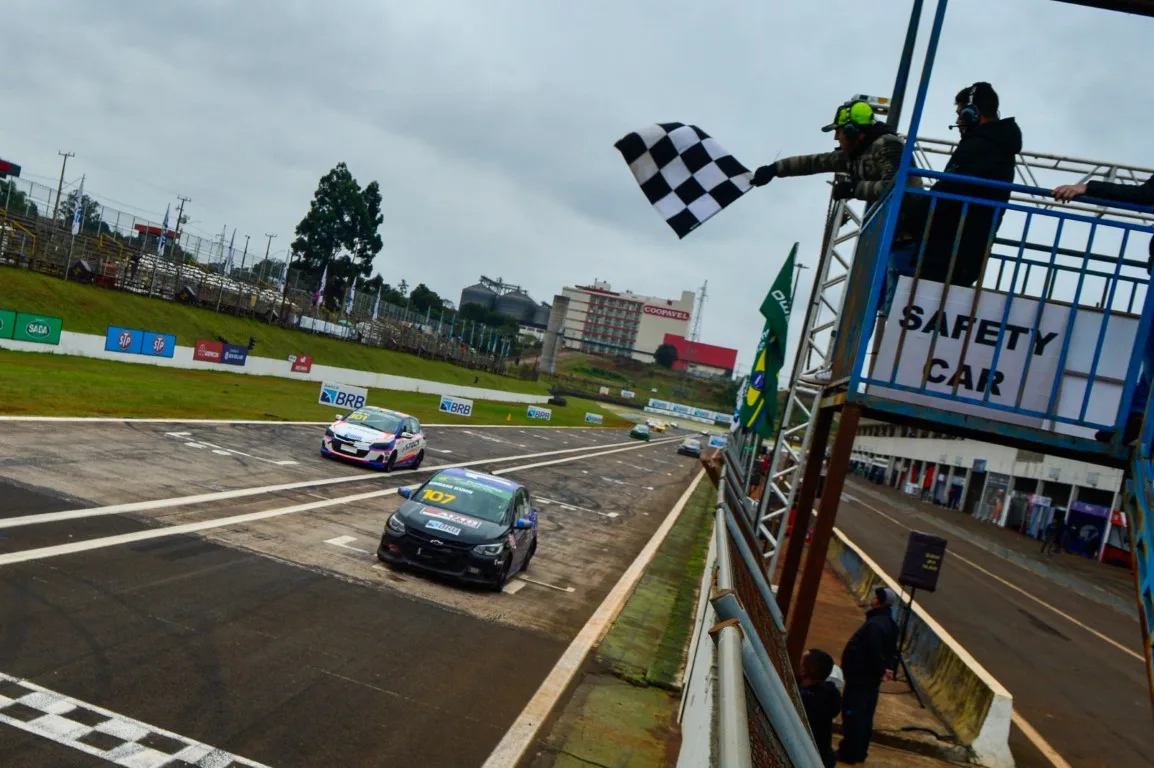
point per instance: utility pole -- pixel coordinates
(60, 186)
(695, 334)
(172, 248)
(268, 248)
(799, 267)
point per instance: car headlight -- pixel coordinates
(380, 446)
(489, 550)
(395, 524)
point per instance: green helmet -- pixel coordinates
(856, 113)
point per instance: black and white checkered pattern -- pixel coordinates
(684, 173)
(119, 740)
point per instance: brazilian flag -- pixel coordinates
(759, 408)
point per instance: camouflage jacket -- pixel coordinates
(871, 167)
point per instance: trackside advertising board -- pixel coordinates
(132, 341)
(456, 406)
(536, 412)
(7, 323)
(25, 326)
(301, 363)
(208, 351)
(594, 418)
(234, 354)
(342, 395)
(717, 441)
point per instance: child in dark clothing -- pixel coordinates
(821, 700)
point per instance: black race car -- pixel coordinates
(471, 526)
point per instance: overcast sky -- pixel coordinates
(490, 125)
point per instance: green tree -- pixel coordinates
(666, 355)
(15, 201)
(425, 300)
(339, 232)
(90, 209)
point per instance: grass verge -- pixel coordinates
(89, 309)
(35, 383)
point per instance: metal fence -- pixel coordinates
(760, 718)
(122, 251)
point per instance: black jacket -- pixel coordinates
(822, 702)
(1137, 194)
(872, 650)
(987, 151)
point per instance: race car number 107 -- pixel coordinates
(457, 406)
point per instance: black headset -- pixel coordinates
(970, 115)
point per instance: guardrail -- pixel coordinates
(760, 720)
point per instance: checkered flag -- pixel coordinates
(684, 172)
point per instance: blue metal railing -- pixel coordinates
(1054, 294)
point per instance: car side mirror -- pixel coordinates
(523, 523)
(405, 492)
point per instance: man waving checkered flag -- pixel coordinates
(684, 173)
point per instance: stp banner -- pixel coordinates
(126, 340)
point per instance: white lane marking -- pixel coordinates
(344, 541)
(566, 505)
(513, 587)
(527, 580)
(178, 434)
(441, 450)
(174, 530)
(180, 501)
(1038, 741)
(613, 480)
(54, 724)
(222, 451)
(521, 734)
(493, 439)
(1012, 586)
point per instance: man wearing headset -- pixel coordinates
(1135, 194)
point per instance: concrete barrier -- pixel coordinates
(92, 345)
(967, 697)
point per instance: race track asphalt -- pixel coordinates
(281, 639)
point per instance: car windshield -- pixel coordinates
(468, 494)
(692, 444)
(385, 422)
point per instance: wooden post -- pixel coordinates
(822, 531)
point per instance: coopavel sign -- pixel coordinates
(667, 312)
(1027, 363)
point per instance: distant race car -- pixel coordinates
(690, 447)
(376, 437)
(640, 431)
(674, 424)
(471, 526)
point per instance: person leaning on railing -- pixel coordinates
(1135, 194)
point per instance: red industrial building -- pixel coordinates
(702, 359)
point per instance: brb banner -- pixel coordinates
(457, 406)
(594, 418)
(536, 412)
(136, 342)
(342, 396)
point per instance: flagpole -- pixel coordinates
(78, 213)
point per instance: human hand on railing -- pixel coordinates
(889, 676)
(1068, 192)
(843, 190)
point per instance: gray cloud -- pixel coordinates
(490, 126)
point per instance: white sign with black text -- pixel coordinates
(1027, 363)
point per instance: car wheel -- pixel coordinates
(392, 460)
(498, 583)
(420, 458)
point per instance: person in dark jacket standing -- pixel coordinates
(987, 149)
(1135, 194)
(869, 657)
(822, 701)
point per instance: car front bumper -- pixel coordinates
(452, 560)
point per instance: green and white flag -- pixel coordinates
(759, 408)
